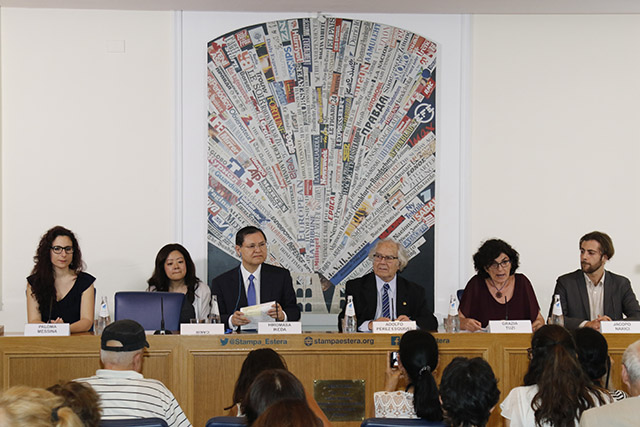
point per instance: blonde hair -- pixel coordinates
(35, 407)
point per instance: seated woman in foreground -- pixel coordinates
(417, 360)
(556, 390)
(497, 292)
(176, 272)
(58, 291)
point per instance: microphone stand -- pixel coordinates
(162, 330)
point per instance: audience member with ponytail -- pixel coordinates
(556, 390)
(418, 359)
(35, 407)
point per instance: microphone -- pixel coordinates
(277, 319)
(392, 309)
(506, 309)
(162, 330)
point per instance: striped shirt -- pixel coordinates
(127, 394)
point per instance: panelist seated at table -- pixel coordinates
(176, 272)
(591, 294)
(497, 292)
(383, 295)
(58, 291)
(254, 282)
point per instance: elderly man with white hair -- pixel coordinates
(383, 295)
(623, 412)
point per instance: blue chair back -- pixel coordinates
(135, 422)
(459, 293)
(393, 422)
(144, 308)
(227, 422)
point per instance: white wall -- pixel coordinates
(555, 139)
(87, 142)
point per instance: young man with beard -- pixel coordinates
(591, 294)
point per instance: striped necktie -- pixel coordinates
(385, 301)
(251, 291)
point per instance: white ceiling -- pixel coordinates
(343, 6)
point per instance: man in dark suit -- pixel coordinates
(591, 294)
(254, 282)
(384, 296)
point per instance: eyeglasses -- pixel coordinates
(59, 249)
(388, 258)
(260, 246)
(504, 264)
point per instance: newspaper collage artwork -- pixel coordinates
(321, 131)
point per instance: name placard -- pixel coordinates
(279, 327)
(46, 329)
(510, 326)
(620, 327)
(393, 327)
(201, 329)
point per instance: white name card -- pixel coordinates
(393, 327)
(510, 326)
(279, 327)
(620, 327)
(46, 330)
(201, 329)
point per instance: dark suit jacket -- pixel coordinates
(619, 298)
(410, 301)
(275, 285)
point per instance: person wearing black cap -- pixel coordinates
(124, 392)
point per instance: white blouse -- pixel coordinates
(394, 404)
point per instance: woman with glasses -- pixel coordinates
(556, 390)
(58, 291)
(176, 272)
(497, 292)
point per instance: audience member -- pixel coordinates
(268, 388)
(257, 361)
(58, 291)
(288, 413)
(590, 294)
(556, 390)
(35, 407)
(83, 399)
(124, 392)
(418, 359)
(469, 392)
(593, 354)
(624, 412)
(497, 292)
(383, 295)
(176, 272)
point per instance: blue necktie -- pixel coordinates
(385, 301)
(251, 291)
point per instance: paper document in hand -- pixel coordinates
(256, 314)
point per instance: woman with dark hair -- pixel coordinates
(556, 390)
(497, 292)
(268, 388)
(418, 359)
(469, 392)
(58, 291)
(176, 272)
(258, 361)
(288, 413)
(593, 354)
(82, 399)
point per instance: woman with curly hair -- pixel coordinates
(35, 407)
(556, 390)
(58, 291)
(176, 272)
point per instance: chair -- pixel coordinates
(393, 422)
(135, 422)
(459, 293)
(145, 308)
(226, 422)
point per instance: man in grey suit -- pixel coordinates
(591, 294)
(625, 411)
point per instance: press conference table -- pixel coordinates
(201, 371)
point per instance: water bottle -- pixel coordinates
(214, 316)
(103, 317)
(452, 322)
(556, 314)
(350, 324)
